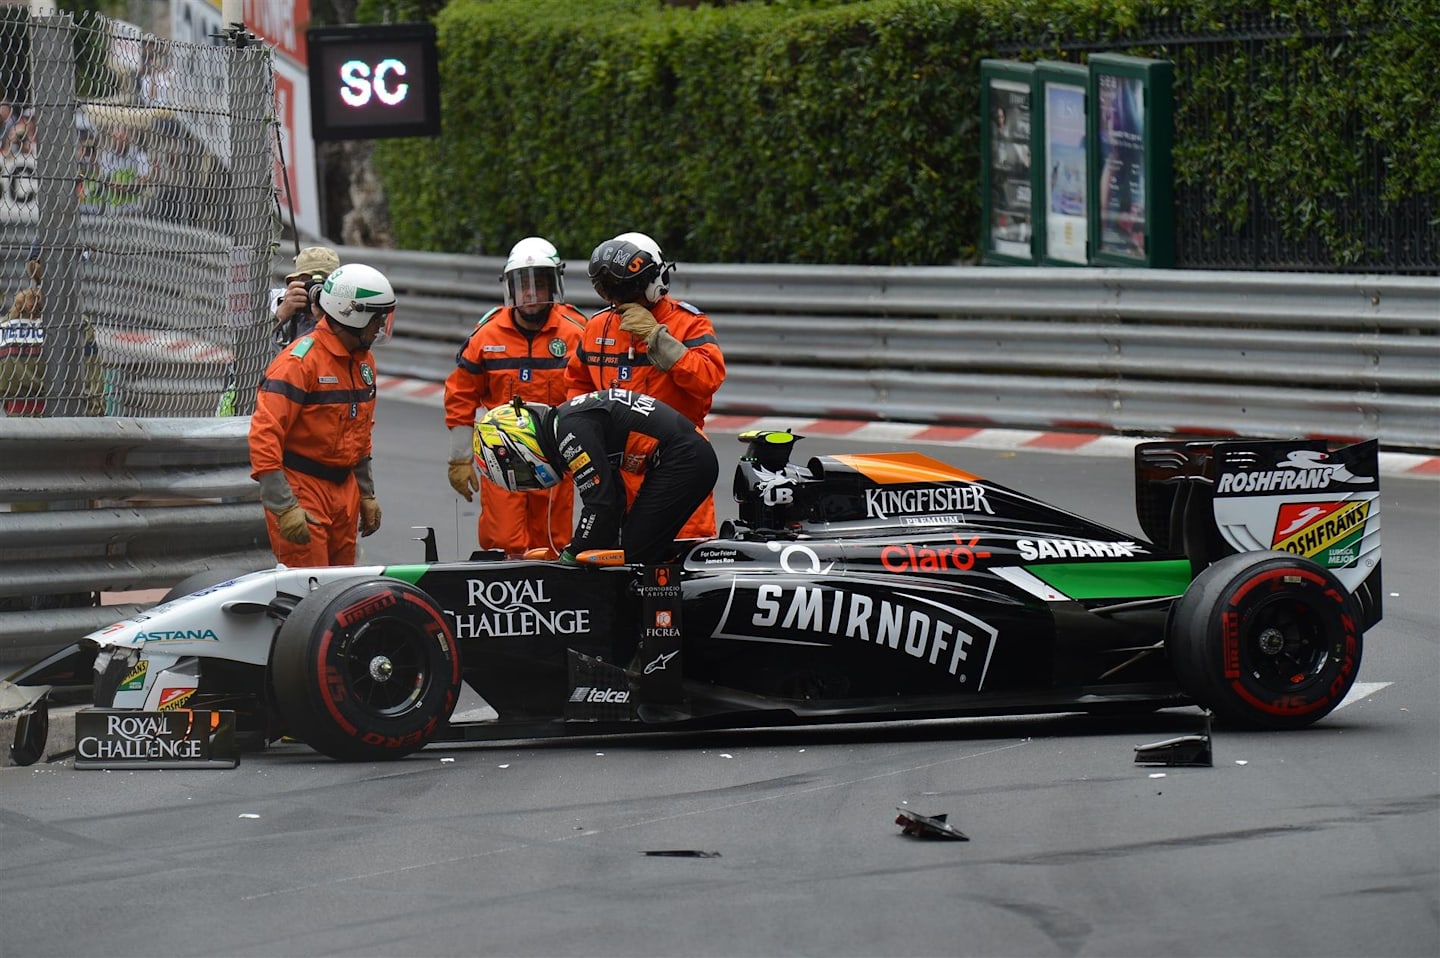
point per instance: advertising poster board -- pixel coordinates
(1063, 233)
(1130, 166)
(1008, 177)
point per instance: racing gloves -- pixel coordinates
(665, 350)
(369, 515)
(462, 463)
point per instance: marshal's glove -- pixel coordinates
(637, 321)
(462, 460)
(463, 479)
(295, 524)
(369, 516)
(278, 498)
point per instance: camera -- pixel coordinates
(313, 284)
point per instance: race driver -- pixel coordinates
(600, 438)
(310, 434)
(649, 342)
(518, 349)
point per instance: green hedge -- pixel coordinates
(848, 132)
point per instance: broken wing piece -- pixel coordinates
(928, 826)
(1186, 750)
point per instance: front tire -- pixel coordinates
(1266, 640)
(365, 669)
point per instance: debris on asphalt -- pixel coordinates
(1185, 750)
(680, 853)
(928, 826)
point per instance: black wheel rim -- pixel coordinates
(1285, 645)
(385, 666)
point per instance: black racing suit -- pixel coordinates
(599, 435)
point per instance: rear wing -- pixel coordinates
(1211, 498)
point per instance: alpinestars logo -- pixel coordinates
(658, 665)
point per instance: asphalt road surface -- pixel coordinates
(1319, 842)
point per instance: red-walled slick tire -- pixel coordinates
(1266, 640)
(365, 669)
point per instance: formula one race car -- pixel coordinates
(853, 588)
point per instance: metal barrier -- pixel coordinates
(1116, 350)
(110, 504)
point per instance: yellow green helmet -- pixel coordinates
(507, 449)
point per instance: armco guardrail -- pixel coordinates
(1116, 350)
(101, 505)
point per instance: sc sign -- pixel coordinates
(369, 82)
(386, 82)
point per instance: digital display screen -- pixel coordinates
(371, 82)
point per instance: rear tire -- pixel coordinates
(365, 669)
(1266, 640)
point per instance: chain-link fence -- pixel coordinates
(137, 219)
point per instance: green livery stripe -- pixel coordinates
(407, 573)
(1115, 580)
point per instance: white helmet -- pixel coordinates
(534, 274)
(661, 284)
(354, 294)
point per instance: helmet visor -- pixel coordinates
(384, 316)
(530, 287)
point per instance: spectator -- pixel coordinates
(89, 184)
(600, 437)
(518, 349)
(124, 168)
(650, 343)
(155, 76)
(23, 389)
(20, 141)
(22, 355)
(294, 312)
(310, 436)
(8, 117)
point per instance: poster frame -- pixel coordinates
(1151, 80)
(1005, 73)
(1076, 77)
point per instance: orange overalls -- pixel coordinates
(313, 417)
(497, 362)
(608, 356)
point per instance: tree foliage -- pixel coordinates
(848, 131)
